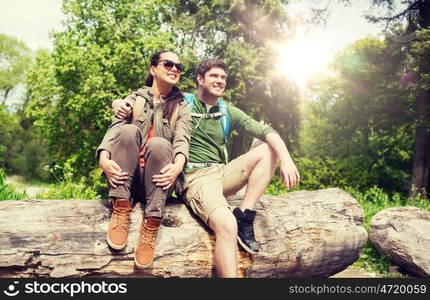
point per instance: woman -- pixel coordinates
(148, 152)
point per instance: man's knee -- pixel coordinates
(264, 152)
(268, 151)
(223, 223)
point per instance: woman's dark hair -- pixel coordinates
(174, 97)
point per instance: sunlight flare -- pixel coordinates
(301, 57)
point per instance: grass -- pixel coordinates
(8, 192)
(68, 189)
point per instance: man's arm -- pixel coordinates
(289, 174)
(123, 107)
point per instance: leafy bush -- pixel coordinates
(67, 188)
(7, 192)
(276, 187)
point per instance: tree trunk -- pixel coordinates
(301, 234)
(5, 95)
(420, 171)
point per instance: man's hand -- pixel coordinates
(167, 175)
(289, 174)
(122, 108)
(113, 172)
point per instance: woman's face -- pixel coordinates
(166, 70)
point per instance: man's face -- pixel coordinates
(213, 82)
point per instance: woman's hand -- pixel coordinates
(112, 170)
(168, 175)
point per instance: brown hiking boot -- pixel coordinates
(117, 233)
(145, 250)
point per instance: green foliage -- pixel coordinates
(276, 187)
(104, 52)
(375, 199)
(7, 192)
(359, 130)
(15, 58)
(242, 34)
(102, 55)
(22, 148)
(67, 188)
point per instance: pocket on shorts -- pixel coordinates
(194, 199)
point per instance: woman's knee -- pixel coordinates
(159, 150)
(158, 144)
(129, 135)
(129, 132)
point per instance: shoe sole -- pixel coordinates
(115, 246)
(245, 247)
(140, 266)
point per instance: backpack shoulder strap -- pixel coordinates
(190, 98)
(225, 121)
(137, 108)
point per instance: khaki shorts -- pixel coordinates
(208, 187)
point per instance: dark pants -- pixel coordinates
(158, 154)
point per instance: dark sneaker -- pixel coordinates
(245, 229)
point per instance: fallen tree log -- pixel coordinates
(301, 234)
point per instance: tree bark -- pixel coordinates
(5, 95)
(301, 234)
(420, 171)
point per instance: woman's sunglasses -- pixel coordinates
(168, 64)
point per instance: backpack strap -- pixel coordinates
(139, 104)
(190, 98)
(225, 121)
(223, 113)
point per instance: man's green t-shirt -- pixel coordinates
(207, 137)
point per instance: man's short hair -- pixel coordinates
(207, 64)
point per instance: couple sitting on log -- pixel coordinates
(163, 140)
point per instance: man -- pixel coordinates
(210, 179)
